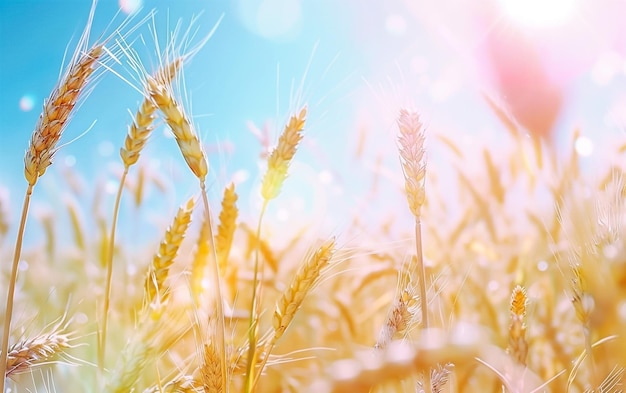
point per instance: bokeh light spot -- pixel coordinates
(279, 18)
(542, 266)
(105, 148)
(69, 161)
(583, 146)
(395, 24)
(540, 13)
(130, 6)
(27, 102)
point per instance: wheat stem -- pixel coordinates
(219, 308)
(253, 327)
(8, 314)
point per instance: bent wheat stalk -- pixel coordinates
(53, 120)
(137, 137)
(189, 144)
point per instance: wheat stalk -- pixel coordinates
(57, 111)
(277, 166)
(411, 145)
(194, 155)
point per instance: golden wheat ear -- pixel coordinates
(73, 85)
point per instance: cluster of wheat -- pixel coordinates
(505, 296)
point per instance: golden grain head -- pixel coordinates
(411, 144)
(56, 114)
(280, 158)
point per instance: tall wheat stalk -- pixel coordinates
(56, 114)
(277, 168)
(411, 141)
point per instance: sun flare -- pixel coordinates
(540, 13)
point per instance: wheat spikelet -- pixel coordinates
(210, 373)
(56, 113)
(306, 278)
(227, 226)
(518, 347)
(143, 124)
(411, 145)
(280, 158)
(27, 354)
(183, 130)
(163, 259)
(400, 317)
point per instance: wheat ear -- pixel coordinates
(223, 241)
(306, 278)
(57, 111)
(277, 167)
(518, 347)
(191, 149)
(155, 291)
(25, 355)
(210, 374)
(399, 319)
(137, 137)
(411, 145)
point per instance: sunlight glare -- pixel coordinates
(540, 13)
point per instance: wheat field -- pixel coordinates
(506, 275)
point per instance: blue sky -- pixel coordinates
(358, 62)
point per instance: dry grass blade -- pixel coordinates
(280, 158)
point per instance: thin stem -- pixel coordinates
(421, 270)
(254, 317)
(11, 292)
(102, 339)
(219, 310)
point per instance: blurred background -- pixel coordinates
(554, 65)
